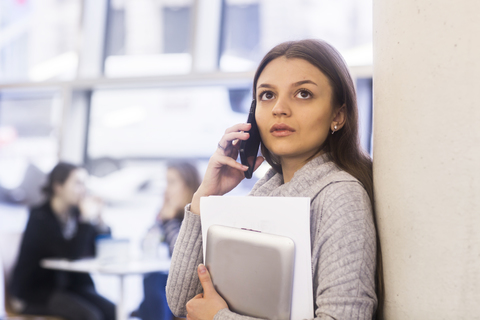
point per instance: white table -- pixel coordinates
(120, 269)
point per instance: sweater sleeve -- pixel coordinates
(343, 253)
(183, 283)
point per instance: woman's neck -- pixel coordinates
(59, 207)
(289, 168)
(292, 165)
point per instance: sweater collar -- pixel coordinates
(303, 181)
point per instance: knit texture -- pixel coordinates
(342, 236)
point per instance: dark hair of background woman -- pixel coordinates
(58, 175)
(190, 177)
(344, 145)
(188, 172)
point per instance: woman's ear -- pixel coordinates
(339, 118)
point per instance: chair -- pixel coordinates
(9, 248)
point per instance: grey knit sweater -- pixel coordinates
(342, 237)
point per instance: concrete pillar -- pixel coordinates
(427, 156)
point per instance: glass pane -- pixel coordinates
(148, 37)
(28, 144)
(252, 27)
(365, 104)
(161, 123)
(39, 39)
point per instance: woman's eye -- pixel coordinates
(303, 94)
(267, 95)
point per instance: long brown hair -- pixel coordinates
(343, 147)
(189, 174)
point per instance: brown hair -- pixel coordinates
(58, 175)
(189, 174)
(343, 147)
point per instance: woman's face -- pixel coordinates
(177, 191)
(73, 189)
(294, 110)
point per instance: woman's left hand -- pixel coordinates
(204, 306)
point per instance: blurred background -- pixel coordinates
(123, 86)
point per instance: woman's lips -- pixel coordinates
(281, 130)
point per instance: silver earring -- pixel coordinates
(334, 129)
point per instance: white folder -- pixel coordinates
(283, 216)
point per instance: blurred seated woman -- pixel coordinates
(65, 226)
(182, 181)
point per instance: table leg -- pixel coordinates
(121, 312)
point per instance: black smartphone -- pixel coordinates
(249, 147)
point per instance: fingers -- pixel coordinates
(229, 139)
(206, 281)
(228, 161)
(239, 127)
(234, 133)
(198, 296)
(205, 306)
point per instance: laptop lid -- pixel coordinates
(252, 271)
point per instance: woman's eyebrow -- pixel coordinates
(265, 85)
(295, 84)
(299, 83)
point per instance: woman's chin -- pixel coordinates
(286, 151)
(296, 155)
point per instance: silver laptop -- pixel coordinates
(252, 271)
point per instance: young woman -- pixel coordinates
(182, 182)
(307, 116)
(64, 227)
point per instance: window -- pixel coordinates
(39, 40)
(252, 27)
(159, 123)
(148, 37)
(28, 143)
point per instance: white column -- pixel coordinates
(144, 27)
(91, 50)
(427, 156)
(74, 127)
(205, 35)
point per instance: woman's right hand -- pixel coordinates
(223, 171)
(90, 209)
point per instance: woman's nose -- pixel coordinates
(281, 108)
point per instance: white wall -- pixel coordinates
(427, 156)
